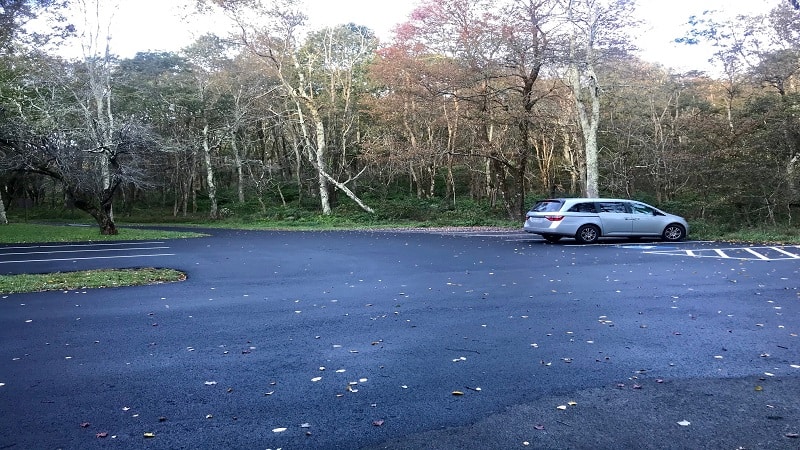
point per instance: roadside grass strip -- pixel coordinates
(87, 279)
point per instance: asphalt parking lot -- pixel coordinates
(437, 340)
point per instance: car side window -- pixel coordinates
(638, 208)
(583, 208)
(612, 207)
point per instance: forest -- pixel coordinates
(473, 105)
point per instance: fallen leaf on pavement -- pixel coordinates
(458, 393)
(377, 423)
(684, 423)
(85, 424)
(101, 434)
(149, 435)
(538, 427)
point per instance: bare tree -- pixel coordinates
(61, 124)
(595, 29)
(275, 41)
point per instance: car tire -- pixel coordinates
(551, 238)
(587, 234)
(674, 232)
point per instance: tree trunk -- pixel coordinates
(588, 114)
(3, 218)
(212, 188)
(237, 159)
(101, 213)
(321, 163)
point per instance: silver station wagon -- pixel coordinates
(588, 219)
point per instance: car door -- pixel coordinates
(645, 220)
(615, 218)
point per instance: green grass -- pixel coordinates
(88, 279)
(781, 234)
(19, 233)
(23, 233)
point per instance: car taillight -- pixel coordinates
(553, 218)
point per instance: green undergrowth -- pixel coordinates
(777, 234)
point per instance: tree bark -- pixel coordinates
(588, 114)
(3, 218)
(101, 213)
(212, 187)
(239, 167)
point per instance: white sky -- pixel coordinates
(144, 25)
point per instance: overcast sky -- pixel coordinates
(143, 25)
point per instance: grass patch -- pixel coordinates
(21, 233)
(779, 234)
(87, 279)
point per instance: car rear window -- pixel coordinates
(547, 206)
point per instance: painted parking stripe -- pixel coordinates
(756, 254)
(767, 253)
(88, 258)
(110, 244)
(85, 251)
(789, 254)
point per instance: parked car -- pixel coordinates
(588, 219)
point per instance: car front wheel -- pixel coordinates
(587, 234)
(673, 233)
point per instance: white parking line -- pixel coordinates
(756, 254)
(110, 244)
(752, 253)
(789, 254)
(85, 251)
(87, 258)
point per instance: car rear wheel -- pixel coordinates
(552, 238)
(587, 234)
(673, 232)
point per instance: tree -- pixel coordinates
(760, 51)
(596, 31)
(276, 43)
(15, 14)
(60, 122)
(46, 137)
(496, 53)
(334, 62)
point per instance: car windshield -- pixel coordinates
(547, 206)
